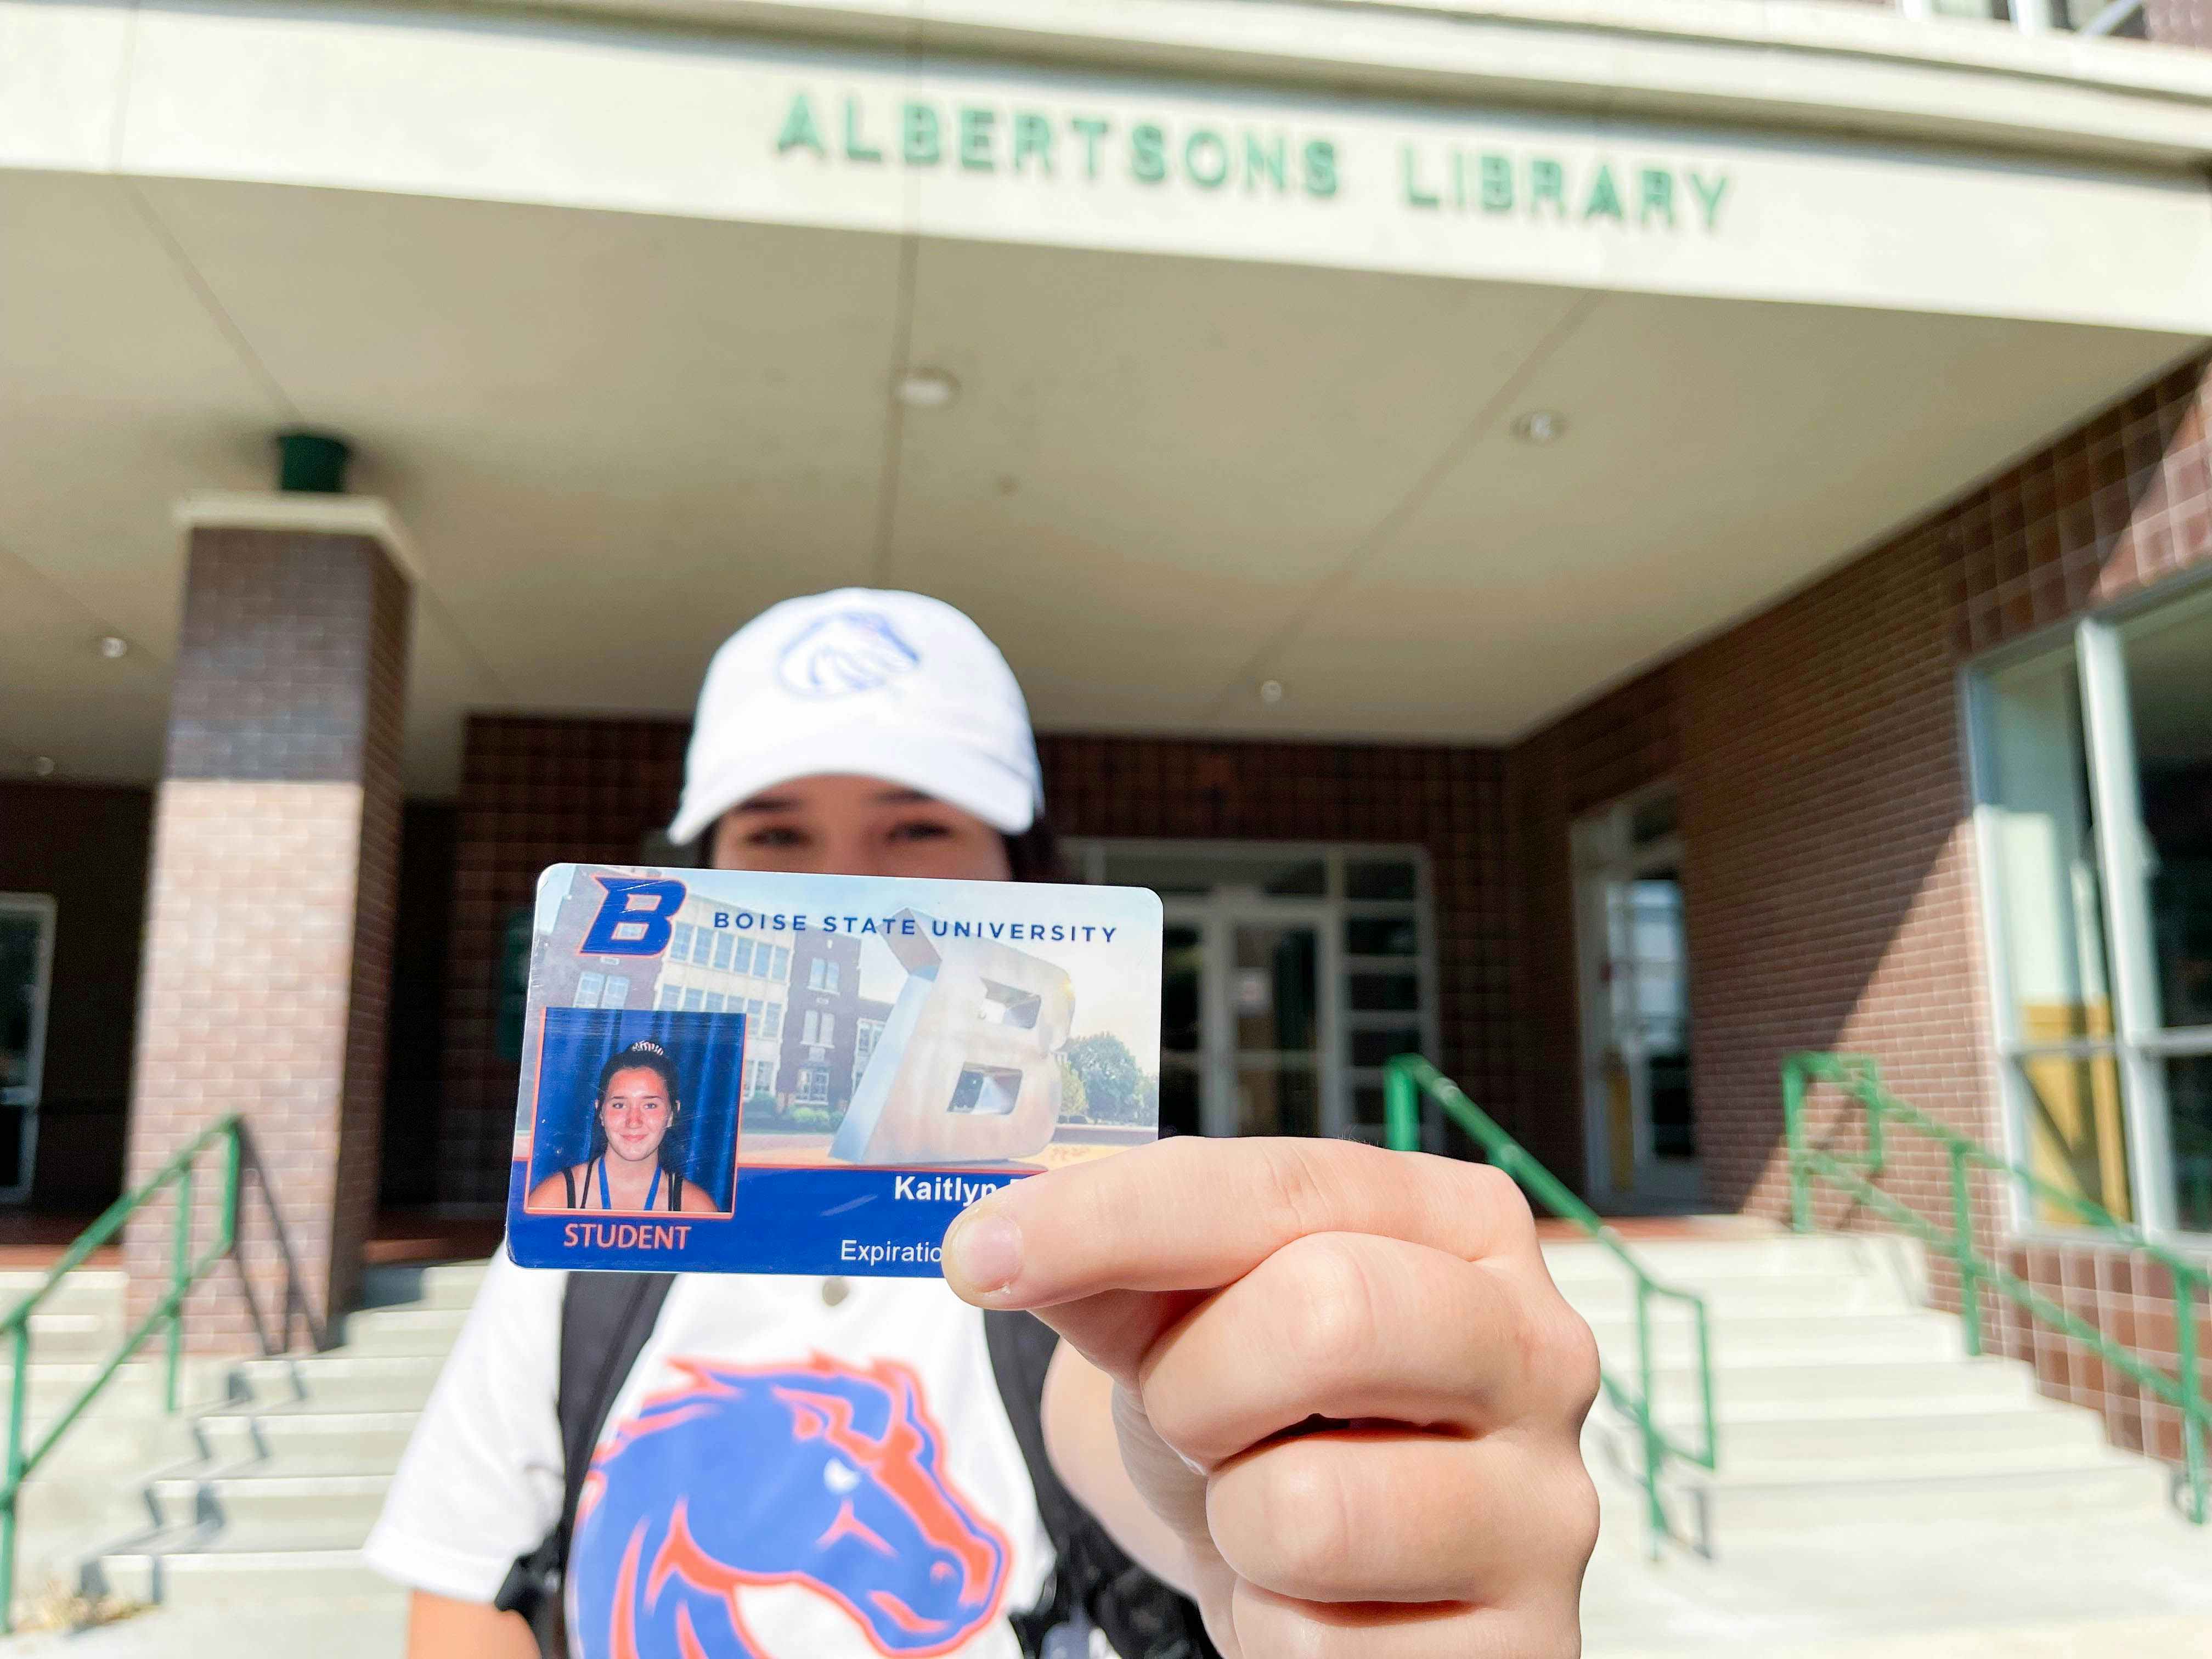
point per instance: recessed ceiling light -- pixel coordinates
(927, 388)
(111, 646)
(1540, 426)
(42, 766)
(1271, 691)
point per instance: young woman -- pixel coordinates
(1327, 1391)
(634, 1107)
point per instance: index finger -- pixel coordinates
(1192, 1214)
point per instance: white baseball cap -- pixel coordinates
(897, 686)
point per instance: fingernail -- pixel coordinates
(982, 1253)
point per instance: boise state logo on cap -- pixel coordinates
(844, 653)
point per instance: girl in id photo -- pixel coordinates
(631, 1118)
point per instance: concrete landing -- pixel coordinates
(2092, 1586)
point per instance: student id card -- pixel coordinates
(725, 1072)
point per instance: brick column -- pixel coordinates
(271, 898)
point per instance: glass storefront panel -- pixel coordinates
(1292, 973)
(1182, 978)
(2044, 847)
(2189, 1104)
(1381, 936)
(2077, 1132)
(2168, 659)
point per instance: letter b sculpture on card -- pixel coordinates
(966, 1070)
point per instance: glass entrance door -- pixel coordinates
(1642, 1132)
(1247, 1019)
(26, 951)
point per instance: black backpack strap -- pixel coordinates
(1141, 1617)
(606, 1321)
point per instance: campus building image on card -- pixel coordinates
(1604, 547)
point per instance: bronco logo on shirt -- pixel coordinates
(817, 1475)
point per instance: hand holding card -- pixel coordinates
(744, 1072)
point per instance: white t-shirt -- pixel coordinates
(779, 1478)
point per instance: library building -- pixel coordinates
(1606, 551)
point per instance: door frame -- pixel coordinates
(25, 1096)
(1601, 853)
(1216, 915)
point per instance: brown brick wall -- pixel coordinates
(538, 791)
(269, 913)
(534, 792)
(2178, 22)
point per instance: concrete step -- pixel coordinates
(1899, 1381)
(1799, 1429)
(438, 1284)
(138, 1388)
(339, 1381)
(255, 1562)
(403, 1330)
(299, 1441)
(1697, 1263)
(87, 1290)
(65, 1333)
(1788, 1338)
(327, 1502)
(1902, 1487)
(1762, 1297)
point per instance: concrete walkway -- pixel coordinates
(2097, 1587)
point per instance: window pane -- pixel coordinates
(2077, 1136)
(1381, 936)
(1179, 1099)
(1275, 987)
(2189, 1098)
(1182, 985)
(1277, 1103)
(1378, 1047)
(2044, 851)
(1379, 994)
(588, 990)
(1391, 879)
(1370, 1115)
(2169, 669)
(1652, 819)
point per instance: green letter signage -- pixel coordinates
(854, 149)
(1584, 188)
(975, 140)
(1148, 153)
(800, 131)
(918, 129)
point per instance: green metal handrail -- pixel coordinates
(1406, 1080)
(1858, 1077)
(185, 1271)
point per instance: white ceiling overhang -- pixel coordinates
(611, 314)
